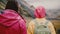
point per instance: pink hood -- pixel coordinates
(9, 17)
(39, 12)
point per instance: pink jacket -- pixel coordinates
(12, 23)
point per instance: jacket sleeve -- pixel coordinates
(30, 29)
(52, 29)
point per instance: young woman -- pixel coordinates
(11, 22)
(40, 25)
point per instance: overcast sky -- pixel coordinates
(48, 4)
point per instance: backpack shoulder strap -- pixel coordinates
(1, 12)
(35, 22)
(46, 23)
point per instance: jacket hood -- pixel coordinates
(39, 12)
(9, 18)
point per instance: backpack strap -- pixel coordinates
(1, 12)
(36, 24)
(46, 23)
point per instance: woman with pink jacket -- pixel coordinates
(10, 21)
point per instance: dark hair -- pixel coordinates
(12, 5)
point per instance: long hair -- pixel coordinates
(12, 5)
